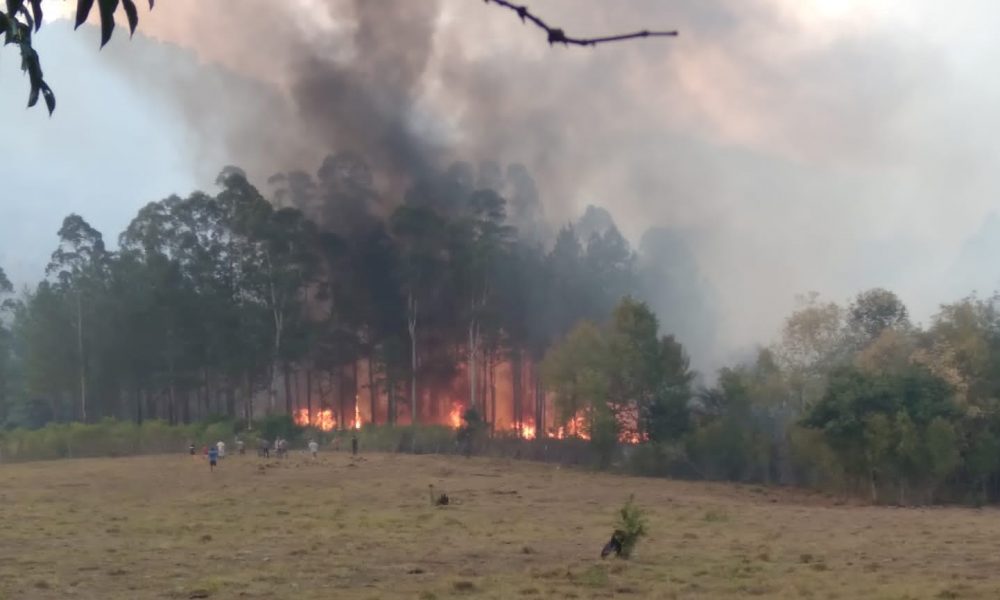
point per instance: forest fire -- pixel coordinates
(325, 420)
(455, 416)
(322, 419)
(575, 427)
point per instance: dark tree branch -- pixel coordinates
(558, 36)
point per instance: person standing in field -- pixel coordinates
(221, 447)
(240, 447)
(354, 444)
(213, 457)
(313, 447)
(191, 449)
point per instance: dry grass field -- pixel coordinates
(165, 527)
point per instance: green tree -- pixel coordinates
(813, 341)
(80, 268)
(7, 307)
(419, 232)
(872, 312)
(878, 424)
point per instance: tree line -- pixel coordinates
(321, 292)
(318, 291)
(855, 399)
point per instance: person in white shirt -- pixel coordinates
(222, 449)
(313, 447)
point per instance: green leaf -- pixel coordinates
(36, 11)
(108, 8)
(33, 96)
(132, 14)
(83, 11)
(49, 97)
(13, 6)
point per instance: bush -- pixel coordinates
(657, 460)
(281, 426)
(108, 437)
(631, 526)
(815, 464)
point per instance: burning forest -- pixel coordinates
(413, 277)
(315, 301)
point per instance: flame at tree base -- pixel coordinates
(575, 428)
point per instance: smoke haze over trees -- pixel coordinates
(755, 158)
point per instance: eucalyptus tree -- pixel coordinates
(80, 267)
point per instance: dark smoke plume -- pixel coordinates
(763, 134)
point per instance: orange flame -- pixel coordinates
(357, 416)
(323, 419)
(574, 428)
(528, 431)
(455, 416)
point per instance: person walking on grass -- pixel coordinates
(213, 458)
(313, 447)
(221, 446)
(191, 449)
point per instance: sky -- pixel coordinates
(796, 146)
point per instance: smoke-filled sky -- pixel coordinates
(830, 145)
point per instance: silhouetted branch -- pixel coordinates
(558, 36)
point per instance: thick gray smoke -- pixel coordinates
(366, 104)
(774, 147)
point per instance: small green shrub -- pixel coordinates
(632, 525)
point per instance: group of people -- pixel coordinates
(216, 452)
(280, 448)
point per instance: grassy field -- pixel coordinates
(165, 527)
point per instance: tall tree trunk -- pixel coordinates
(517, 385)
(172, 403)
(231, 400)
(82, 358)
(484, 386)
(137, 398)
(354, 393)
(206, 394)
(472, 363)
(412, 327)
(279, 327)
(309, 396)
(340, 399)
(493, 395)
(248, 402)
(390, 398)
(372, 391)
(539, 401)
(288, 388)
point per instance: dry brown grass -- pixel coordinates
(164, 527)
